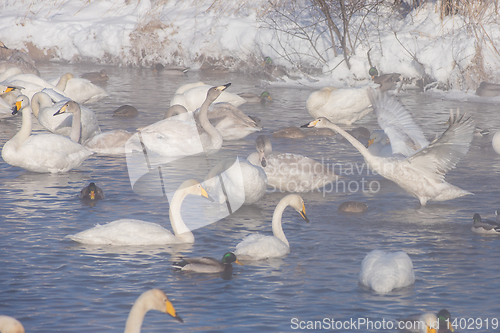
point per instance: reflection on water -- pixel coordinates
(53, 284)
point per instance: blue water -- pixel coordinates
(52, 284)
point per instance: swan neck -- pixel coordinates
(26, 126)
(61, 84)
(76, 126)
(181, 231)
(136, 316)
(214, 134)
(276, 223)
(358, 145)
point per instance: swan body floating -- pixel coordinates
(195, 96)
(340, 106)
(43, 107)
(10, 325)
(45, 152)
(231, 122)
(109, 142)
(495, 142)
(383, 272)
(428, 322)
(485, 227)
(177, 138)
(153, 299)
(290, 172)
(243, 182)
(80, 90)
(137, 232)
(422, 173)
(258, 246)
(207, 264)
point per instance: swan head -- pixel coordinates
(7, 89)
(264, 148)
(22, 101)
(321, 122)
(159, 301)
(444, 318)
(70, 106)
(229, 258)
(378, 136)
(297, 203)
(194, 187)
(215, 92)
(175, 110)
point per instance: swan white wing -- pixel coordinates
(109, 142)
(443, 154)
(405, 135)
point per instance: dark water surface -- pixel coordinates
(52, 284)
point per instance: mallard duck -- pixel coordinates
(253, 98)
(45, 152)
(383, 272)
(385, 81)
(258, 246)
(487, 89)
(291, 132)
(153, 299)
(207, 264)
(10, 325)
(96, 77)
(137, 232)
(91, 193)
(290, 172)
(170, 70)
(421, 174)
(352, 207)
(428, 322)
(484, 226)
(125, 111)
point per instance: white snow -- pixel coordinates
(231, 32)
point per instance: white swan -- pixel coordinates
(383, 272)
(109, 142)
(194, 97)
(137, 232)
(80, 90)
(243, 182)
(44, 152)
(422, 173)
(43, 107)
(379, 144)
(10, 325)
(495, 142)
(258, 246)
(174, 137)
(29, 84)
(404, 135)
(153, 299)
(340, 106)
(230, 121)
(290, 172)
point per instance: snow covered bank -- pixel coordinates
(455, 51)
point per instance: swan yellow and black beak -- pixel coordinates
(205, 194)
(303, 213)
(223, 87)
(311, 124)
(171, 311)
(62, 109)
(17, 106)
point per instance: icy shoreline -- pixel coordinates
(140, 33)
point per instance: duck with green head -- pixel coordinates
(207, 264)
